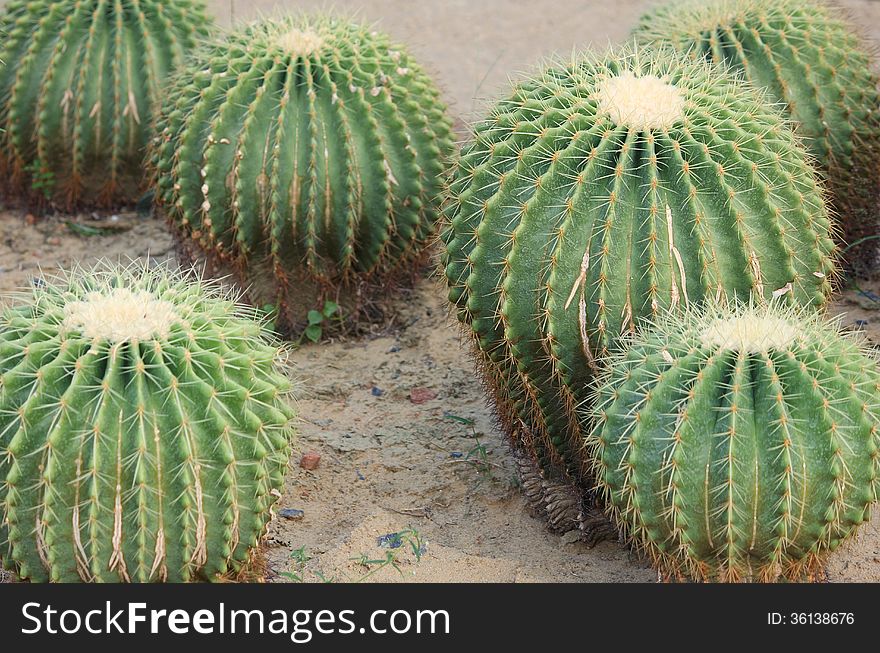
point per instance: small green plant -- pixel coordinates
(269, 313)
(42, 179)
(478, 455)
(319, 320)
(390, 560)
(408, 538)
(299, 557)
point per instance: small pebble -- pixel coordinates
(421, 395)
(389, 541)
(310, 460)
(377, 391)
(456, 454)
(292, 513)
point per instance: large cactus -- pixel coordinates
(607, 191)
(80, 84)
(144, 429)
(310, 148)
(809, 57)
(739, 444)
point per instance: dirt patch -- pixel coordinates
(390, 417)
(32, 247)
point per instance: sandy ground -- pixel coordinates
(386, 412)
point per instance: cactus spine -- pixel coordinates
(80, 84)
(144, 429)
(309, 147)
(810, 58)
(607, 191)
(739, 444)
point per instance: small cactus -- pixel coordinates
(80, 85)
(739, 444)
(810, 58)
(144, 429)
(608, 191)
(308, 154)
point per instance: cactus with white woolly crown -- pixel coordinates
(145, 428)
(81, 82)
(607, 191)
(739, 444)
(811, 58)
(308, 154)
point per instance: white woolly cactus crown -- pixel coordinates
(754, 326)
(145, 427)
(120, 303)
(640, 102)
(750, 332)
(120, 315)
(301, 42)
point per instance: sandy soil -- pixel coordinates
(386, 412)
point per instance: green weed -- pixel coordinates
(319, 320)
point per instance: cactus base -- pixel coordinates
(364, 303)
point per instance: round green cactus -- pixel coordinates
(308, 151)
(607, 191)
(809, 57)
(739, 444)
(144, 429)
(80, 84)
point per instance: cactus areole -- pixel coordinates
(144, 429)
(80, 86)
(304, 151)
(607, 191)
(739, 444)
(811, 59)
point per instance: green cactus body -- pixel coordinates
(80, 85)
(608, 191)
(312, 146)
(739, 444)
(809, 57)
(144, 429)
